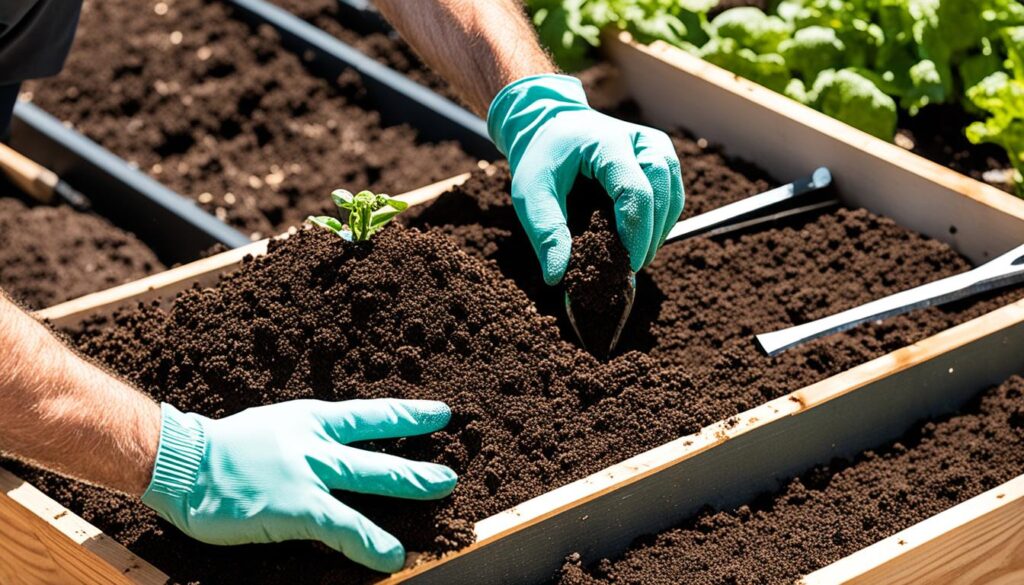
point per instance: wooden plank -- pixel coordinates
(203, 272)
(42, 542)
(978, 541)
(676, 89)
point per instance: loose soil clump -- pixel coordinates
(597, 282)
(442, 314)
(52, 254)
(221, 112)
(833, 510)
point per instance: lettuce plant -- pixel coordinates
(367, 214)
(856, 60)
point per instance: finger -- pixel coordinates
(615, 166)
(384, 418)
(652, 147)
(678, 197)
(353, 535)
(368, 472)
(538, 197)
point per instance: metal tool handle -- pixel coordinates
(1002, 271)
(819, 179)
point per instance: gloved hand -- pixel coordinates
(549, 133)
(265, 474)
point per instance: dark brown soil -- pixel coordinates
(222, 113)
(532, 411)
(834, 510)
(597, 282)
(384, 46)
(52, 254)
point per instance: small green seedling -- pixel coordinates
(367, 213)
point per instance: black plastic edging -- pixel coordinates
(173, 226)
(397, 98)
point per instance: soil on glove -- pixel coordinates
(221, 112)
(52, 254)
(834, 510)
(597, 281)
(409, 315)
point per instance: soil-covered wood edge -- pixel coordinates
(617, 476)
(675, 88)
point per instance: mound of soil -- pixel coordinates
(834, 510)
(52, 254)
(222, 113)
(410, 315)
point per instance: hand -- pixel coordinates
(549, 134)
(265, 474)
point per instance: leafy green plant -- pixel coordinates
(368, 212)
(570, 28)
(856, 60)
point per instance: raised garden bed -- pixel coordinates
(479, 343)
(220, 111)
(50, 254)
(833, 510)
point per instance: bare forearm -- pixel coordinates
(479, 46)
(63, 413)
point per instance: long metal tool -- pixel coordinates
(1005, 270)
(741, 214)
(734, 212)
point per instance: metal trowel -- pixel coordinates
(739, 215)
(1005, 270)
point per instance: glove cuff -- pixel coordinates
(514, 111)
(178, 458)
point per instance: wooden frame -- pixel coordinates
(600, 514)
(729, 462)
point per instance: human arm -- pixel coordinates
(543, 124)
(262, 475)
(61, 412)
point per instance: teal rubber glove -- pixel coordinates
(550, 134)
(265, 474)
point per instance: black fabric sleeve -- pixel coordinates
(35, 37)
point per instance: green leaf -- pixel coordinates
(398, 204)
(854, 99)
(342, 198)
(326, 222)
(812, 50)
(751, 28)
